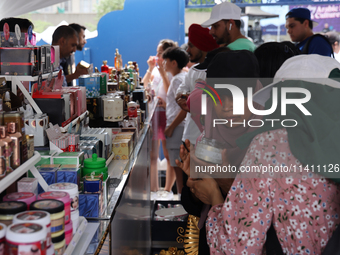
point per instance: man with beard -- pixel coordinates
(67, 40)
(68, 63)
(225, 22)
(200, 42)
(81, 35)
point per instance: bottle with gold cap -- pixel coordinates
(16, 137)
(8, 148)
(118, 61)
(2, 159)
(104, 68)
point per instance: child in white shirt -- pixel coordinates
(174, 60)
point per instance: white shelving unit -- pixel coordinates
(74, 122)
(17, 173)
(17, 82)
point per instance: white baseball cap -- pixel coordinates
(312, 68)
(225, 10)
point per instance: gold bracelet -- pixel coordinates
(148, 71)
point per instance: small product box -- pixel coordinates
(93, 183)
(69, 173)
(27, 184)
(46, 157)
(91, 204)
(37, 125)
(92, 85)
(122, 148)
(69, 158)
(49, 173)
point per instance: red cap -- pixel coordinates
(201, 38)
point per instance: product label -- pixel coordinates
(62, 186)
(25, 228)
(9, 205)
(33, 215)
(47, 204)
(57, 225)
(30, 248)
(19, 195)
(74, 203)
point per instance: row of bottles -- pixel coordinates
(10, 148)
(124, 79)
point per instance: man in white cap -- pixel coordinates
(225, 22)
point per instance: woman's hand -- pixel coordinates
(206, 190)
(184, 154)
(182, 102)
(151, 63)
(168, 131)
(224, 179)
(161, 102)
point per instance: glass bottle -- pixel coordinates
(104, 68)
(118, 60)
(8, 148)
(16, 137)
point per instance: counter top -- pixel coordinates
(119, 171)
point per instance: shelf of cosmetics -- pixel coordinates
(68, 103)
(89, 174)
(29, 61)
(120, 107)
(102, 141)
(20, 56)
(47, 222)
(111, 79)
(94, 185)
(15, 145)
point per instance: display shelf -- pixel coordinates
(17, 173)
(27, 77)
(74, 122)
(79, 238)
(17, 82)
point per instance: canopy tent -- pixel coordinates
(255, 12)
(46, 35)
(12, 8)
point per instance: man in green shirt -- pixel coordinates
(225, 22)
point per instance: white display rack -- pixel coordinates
(73, 122)
(17, 82)
(78, 237)
(17, 173)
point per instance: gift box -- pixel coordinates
(46, 63)
(19, 61)
(69, 173)
(28, 185)
(92, 85)
(91, 204)
(49, 174)
(69, 158)
(37, 125)
(122, 148)
(93, 183)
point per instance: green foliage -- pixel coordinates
(106, 6)
(40, 25)
(200, 9)
(91, 26)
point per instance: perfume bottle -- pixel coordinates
(118, 61)
(104, 68)
(210, 150)
(8, 148)
(16, 137)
